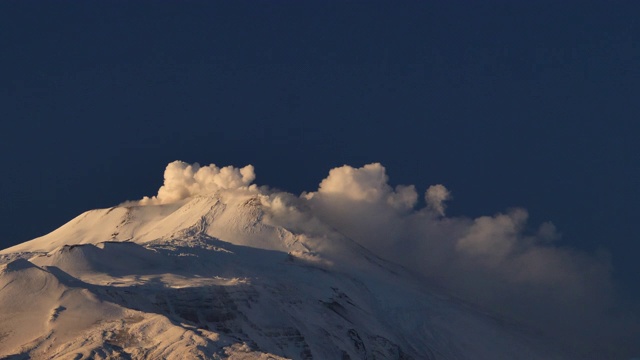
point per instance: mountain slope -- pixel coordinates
(222, 276)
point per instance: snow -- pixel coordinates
(210, 277)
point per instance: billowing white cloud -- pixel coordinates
(493, 237)
(368, 184)
(498, 261)
(435, 196)
(350, 198)
(182, 180)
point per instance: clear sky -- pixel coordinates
(506, 103)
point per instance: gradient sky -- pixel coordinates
(531, 104)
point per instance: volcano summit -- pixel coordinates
(214, 267)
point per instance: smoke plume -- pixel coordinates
(498, 261)
(182, 180)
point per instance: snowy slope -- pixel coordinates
(220, 276)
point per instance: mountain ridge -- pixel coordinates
(219, 276)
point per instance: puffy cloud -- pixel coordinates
(499, 261)
(367, 184)
(349, 199)
(493, 238)
(182, 180)
(435, 196)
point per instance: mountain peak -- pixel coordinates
(230, 274)
(236, 219)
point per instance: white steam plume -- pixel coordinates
(182, 180)
(496, 261)
(435, 196)
(367, 184)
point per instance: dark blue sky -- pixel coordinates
(507, 103)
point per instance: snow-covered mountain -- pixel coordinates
(221, 276)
